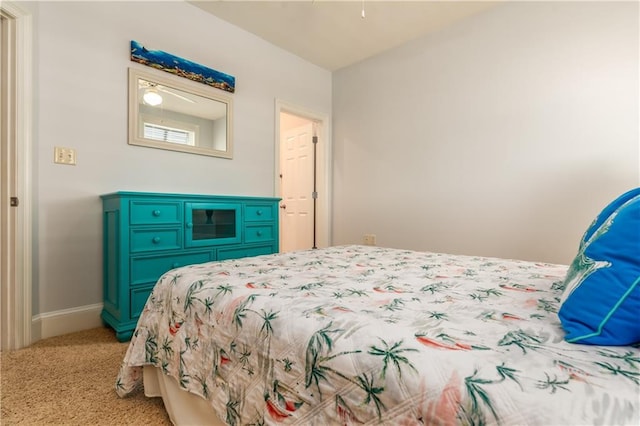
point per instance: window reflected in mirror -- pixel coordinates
(168, 113)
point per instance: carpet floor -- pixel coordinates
(69, 380)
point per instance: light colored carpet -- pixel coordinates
(69, 380)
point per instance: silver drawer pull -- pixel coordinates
(156, 240)
(156, 213)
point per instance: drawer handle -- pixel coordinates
(259, 212)
(189, 225)
(259, 233)
(175, 265)
(156, 240)
(156, 213)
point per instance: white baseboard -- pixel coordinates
(50, 324)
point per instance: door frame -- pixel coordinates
(16, 245)
(323, 182)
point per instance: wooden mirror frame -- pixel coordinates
(203, 100)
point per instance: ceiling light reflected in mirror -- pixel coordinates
(152, 97)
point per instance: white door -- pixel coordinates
(296, 189)
(15, 150)
(5, 186)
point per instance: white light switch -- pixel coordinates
(63, 155)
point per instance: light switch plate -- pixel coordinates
(370, 239)
(63, 155)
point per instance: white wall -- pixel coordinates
(81, 61)
(501, 136)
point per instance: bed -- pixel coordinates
(369, 335)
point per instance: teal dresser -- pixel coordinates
(147, 234)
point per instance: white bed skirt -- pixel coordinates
(184, 408)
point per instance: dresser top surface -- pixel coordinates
(178, 196)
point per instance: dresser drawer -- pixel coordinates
(258, 233)
(139, 296)
(236, 253)
(155, 212)
(148, 269)
(259, 213)
(155, 239)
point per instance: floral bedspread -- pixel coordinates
(370, 335)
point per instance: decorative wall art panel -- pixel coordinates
(182, 67)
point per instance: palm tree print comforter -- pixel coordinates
(367, 335)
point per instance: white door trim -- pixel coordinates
(16, 252)
(323, 230)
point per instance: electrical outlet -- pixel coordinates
(370, 239)
(63, 155)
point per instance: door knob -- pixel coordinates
(283, 206)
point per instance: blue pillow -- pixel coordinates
(601, 300)
(608, 211)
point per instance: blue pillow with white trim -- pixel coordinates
(601, 300)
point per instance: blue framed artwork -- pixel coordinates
(182, 67)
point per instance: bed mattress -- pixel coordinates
(370, 335)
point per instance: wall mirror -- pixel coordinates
(174, 113)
